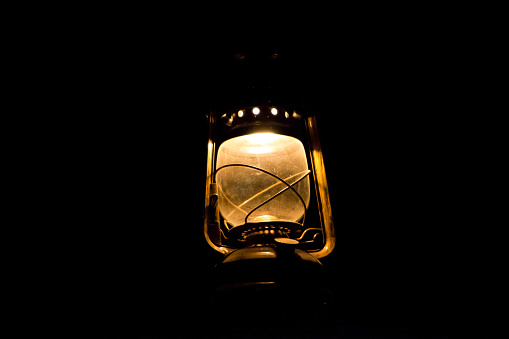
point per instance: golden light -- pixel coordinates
(263, 173)
(245, 200)
(264, 139)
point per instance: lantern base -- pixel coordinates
(282, 253)
(278, 264)
(266, 284)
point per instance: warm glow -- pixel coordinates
(260, 183)
(262, 138)
(262, 142)
(243, 189)
(273, 111)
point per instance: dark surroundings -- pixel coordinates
(396, 154)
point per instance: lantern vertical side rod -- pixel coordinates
(211, 227)
(321, 188)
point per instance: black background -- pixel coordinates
(396, 150)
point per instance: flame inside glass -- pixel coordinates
(250, 192)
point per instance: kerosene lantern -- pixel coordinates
(267, 206)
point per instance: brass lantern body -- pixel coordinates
(266, 181)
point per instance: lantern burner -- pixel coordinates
(263, 233)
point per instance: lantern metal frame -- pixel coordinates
(273, 119)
